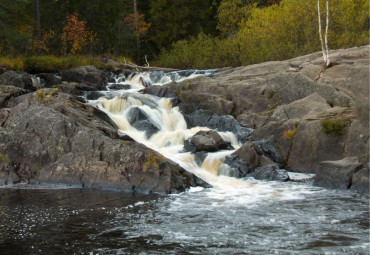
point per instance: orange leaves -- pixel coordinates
(142, 26)
(75, 35)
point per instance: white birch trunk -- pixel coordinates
(326, 34)
(324, 47)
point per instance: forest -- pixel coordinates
(172, 33)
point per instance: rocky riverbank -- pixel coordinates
(291, 114)
(312, 114)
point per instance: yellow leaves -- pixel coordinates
(142, 26)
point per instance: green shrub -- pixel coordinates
(278, 32)
(40, 95)
(333, 126)
(54, 92)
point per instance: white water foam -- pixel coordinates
(169, 141)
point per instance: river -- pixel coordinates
(235, 216)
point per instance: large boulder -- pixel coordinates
(17, 79)
(57, 139)
(50, 79)
(360, 181)
(208, 141)
(89, 75)
(245, 159)
(8, 92)
(337, 174)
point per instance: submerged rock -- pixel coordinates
(337, 174)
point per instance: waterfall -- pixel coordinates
(155, 123)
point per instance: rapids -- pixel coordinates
(234, 216)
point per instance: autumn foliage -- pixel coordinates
(142, 26)
(75, 35)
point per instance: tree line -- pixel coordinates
(177, 33)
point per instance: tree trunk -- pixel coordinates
(324, 47)
(136, 22)
(38, 23)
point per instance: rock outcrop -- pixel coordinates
(208, 141)
(313, 113)
(89, 75)
(17, 79)
(337, 174)
(57, 139)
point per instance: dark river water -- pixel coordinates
(271, 218)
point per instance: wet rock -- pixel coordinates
(89, 75)
(200, 156)
(17, 79)
(226, 123)
(103, 116)
(94, 95)
(50, 79)
(268, 146)
(360, 181)
(245, 159)
(337, 174)
(139, 120)
(8, 92)
(226, 170)
(271, 173)
(206, 141)
(60, 140)
(7, 174)
(119, 86)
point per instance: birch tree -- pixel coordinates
(324, 45)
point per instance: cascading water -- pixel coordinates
(235, 216)
(153, 122)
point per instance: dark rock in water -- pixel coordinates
(119, 86)
(337, 174)
(269, 149)
(17, 79)
(200, 156)
(7, 174)
(61, 141)
(103, 116)
(225, 123)
(271, 173)
(139, 120)
(206, 141)
(125, 137)
(168, 90)
(146, 83)
(360, 181)
(89, 75)
(50, 79)
(245, 159)
(8, 92)
(94, 95)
